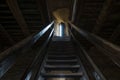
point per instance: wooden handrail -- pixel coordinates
(108, 48)
(38, 58)
(31, 40)
(96, 69)
(8, 56)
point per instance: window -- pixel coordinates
(60, 30)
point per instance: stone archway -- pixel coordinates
(61, 18)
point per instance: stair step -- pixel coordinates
(62, 61)
(64, 75)
(61, 53)
(61, 47)
(63, 67)
(62, 56)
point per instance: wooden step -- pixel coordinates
(61, 51)
(64, 75)
(61, 56)
(63, 67)
(62, 61)
(58, 54)
(61, 48)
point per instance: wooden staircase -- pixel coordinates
(61, 61)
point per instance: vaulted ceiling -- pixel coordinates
(21, 18)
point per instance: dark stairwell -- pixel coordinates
(81, 43)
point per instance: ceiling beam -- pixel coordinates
(103, 16)
(6, 34)
(79, 9)
(13, 5)
(115, 34)
(74, 10)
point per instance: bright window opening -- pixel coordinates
(60, 30)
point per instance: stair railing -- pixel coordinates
(95, 72)
(109, 49)
(8, 57)
(32, 71)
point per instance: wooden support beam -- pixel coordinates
(13, 5)
(41, 4)
(74, 10)
(79, 10)
(103, 16)
(6, 34)
(115, 34)
(48, 11)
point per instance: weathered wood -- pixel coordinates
(6, 34)
(13, 5)
(103, 16)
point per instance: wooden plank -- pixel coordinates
(103, 16)
(64, 75)
(6, 34)
(13, 5)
